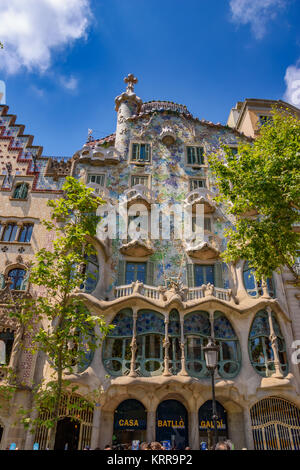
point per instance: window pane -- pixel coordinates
(209, 274)
(200, 159)
(199, 275)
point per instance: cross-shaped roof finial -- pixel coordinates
(131, 80)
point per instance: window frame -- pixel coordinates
(140, 162)
(4, 230)
(18, 185)
(90, 174)
(197, 165)
(27, 226)
(148, 177)
(191, 180)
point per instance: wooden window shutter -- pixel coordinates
(121, 273)
(150, 273)
(218, 274)
(190, 275)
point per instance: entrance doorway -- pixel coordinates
(130, 422)
(67, 434)
(206, 424)
(275, 425)
(172, 423)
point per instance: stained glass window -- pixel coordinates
(230, 353)
(174, 334)
(260, 347)
(196, 331)
(116, 347)
(150, 329)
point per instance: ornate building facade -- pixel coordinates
(166, 297)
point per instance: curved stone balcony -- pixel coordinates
(163, 295)
(138, 193)
(202, 196)
(98, 155)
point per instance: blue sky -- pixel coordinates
(64, 60)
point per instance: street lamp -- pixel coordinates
(211, 352)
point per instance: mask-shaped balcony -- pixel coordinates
(98, 155)
(138, 193)
(201, 196)
(206, 249)
(138, 246)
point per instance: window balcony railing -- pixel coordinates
(162, 293)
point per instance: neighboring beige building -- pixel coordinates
(248, 116)
(164, 297)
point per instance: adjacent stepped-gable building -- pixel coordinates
(165, 292)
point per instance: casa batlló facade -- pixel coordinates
(166, 297)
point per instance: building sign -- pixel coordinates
(130, 415)
(131, 423)
(205, 417)
(171, 423)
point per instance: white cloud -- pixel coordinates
(255, 12)
(70, 83)
(32, 29)
(292, 80)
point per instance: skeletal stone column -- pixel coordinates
(133, 345)
(273, 339)
(166, 345)
(182, 347)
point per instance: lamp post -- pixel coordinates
(211, 352)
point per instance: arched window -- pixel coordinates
(91, 271)
(116, 347)
(21, 191)
(150, 334)
(230, 353)
(6, 344)
(174, 338)
(252, 286)
(18, 278)
(260, 347)
(196, 330)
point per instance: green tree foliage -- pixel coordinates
(57, 318)
(260, 187)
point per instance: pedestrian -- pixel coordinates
(156, 446)
(222, 446)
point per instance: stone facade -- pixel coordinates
(166, 296)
